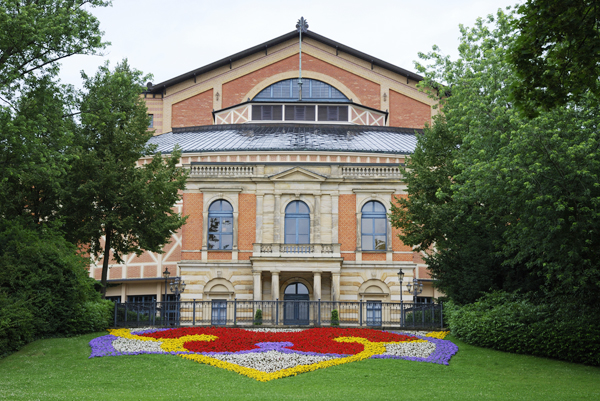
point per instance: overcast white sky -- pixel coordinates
(169, 38)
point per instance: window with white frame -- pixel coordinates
(297, 223)
(220, 225)
(373, 227)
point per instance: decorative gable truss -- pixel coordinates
(363, 116)
(237, 115)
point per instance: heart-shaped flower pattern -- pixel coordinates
(267, 354)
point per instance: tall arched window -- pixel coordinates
(297, 223)
(374, 227)
(220, 225)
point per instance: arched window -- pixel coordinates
(374, 227)
(312, 89)
(220, 225)
(297, 223)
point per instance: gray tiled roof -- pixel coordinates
(289, 137)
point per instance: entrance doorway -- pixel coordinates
(296, 304)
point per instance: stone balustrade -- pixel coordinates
(297, 250)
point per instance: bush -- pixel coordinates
(258, 317)
(335, 318)
(92, 316)
(510, 322)
(16, 324)
(45, 289)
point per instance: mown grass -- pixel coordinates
(59, 369)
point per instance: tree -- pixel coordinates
(514, 198)
(556, 53)
(35, 111)
(113, 202)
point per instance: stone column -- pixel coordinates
(275, 285)
(257, 290)
(335, 286)
(317, 285)
(317, 222)
(277, 222)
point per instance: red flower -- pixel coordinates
(318, 340)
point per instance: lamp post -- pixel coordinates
(400, 280)
(177, 286)
(166, 275)
(415, 288)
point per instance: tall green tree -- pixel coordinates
(527, 187)
(115, 203)
(556, 53)
(35, 110)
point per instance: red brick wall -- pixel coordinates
(246, 221)
(236, 91)
(347, 225)
(219, 255)
(192, 230)
(150, 271)
(373, 256)
(115, 273)
(196, 110)
(407, 112)
(133, 271)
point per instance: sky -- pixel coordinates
(169, 38)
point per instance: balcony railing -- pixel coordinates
(279, 313)
(221, 171)
(371, 172)
(300, 250)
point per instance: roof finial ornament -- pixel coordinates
(301, 26)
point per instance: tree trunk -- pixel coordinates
(105, 261)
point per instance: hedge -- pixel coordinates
(509, 322)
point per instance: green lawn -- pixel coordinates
(59, 369)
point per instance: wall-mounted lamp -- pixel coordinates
(217, 96)
(385, 97)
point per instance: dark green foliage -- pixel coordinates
(500, 201)
(45, 289)
(258, 318)
(556, 53)
(109, 195)
(335, 318)
(510, 322)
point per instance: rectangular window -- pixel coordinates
(373, 313)
(141, 299)
(151, 122)
(116, 300)
(267, 113)
(300, 113)
(333, 113)
(219, 312)
(424, 300)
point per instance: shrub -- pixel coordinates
(510, 322)
(45, 289)
(91, 316)
(258, 318)
(16, 324)
(335, 318)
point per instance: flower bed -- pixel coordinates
(267, 354)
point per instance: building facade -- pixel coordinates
(289, 184)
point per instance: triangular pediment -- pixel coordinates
(297, 174)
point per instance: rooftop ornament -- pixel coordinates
(301, 26)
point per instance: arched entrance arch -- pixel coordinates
(296, 304)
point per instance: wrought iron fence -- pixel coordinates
(279, 313)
